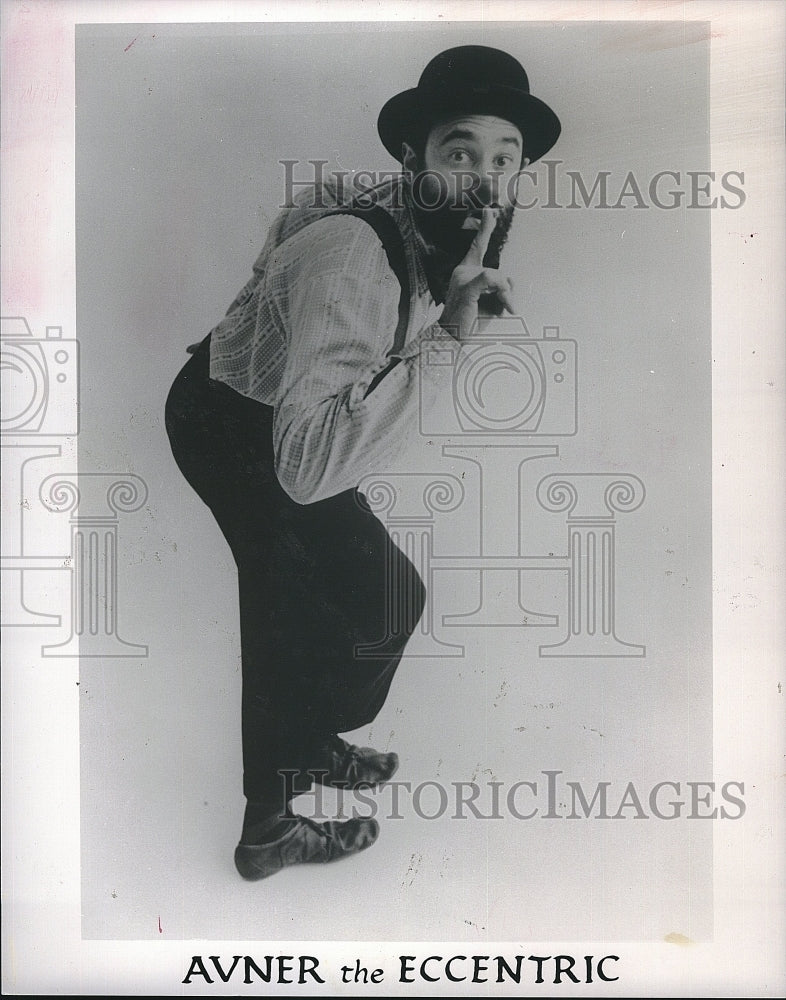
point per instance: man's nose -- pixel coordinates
(488, 187)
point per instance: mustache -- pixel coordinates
(452, 229)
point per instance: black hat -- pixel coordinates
(470, 79)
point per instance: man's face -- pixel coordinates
(478, 157)
(468, 162)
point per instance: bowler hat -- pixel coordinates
(470, 79)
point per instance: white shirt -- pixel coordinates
(309, 332)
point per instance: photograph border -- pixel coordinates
(43, 950)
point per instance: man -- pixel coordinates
(309, 383)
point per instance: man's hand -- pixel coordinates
(470, 280)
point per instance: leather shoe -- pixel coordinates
(307, 842)
(347, 766)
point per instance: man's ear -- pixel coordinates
(409, 160)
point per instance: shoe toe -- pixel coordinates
(344, 765)
(355, 835)
(391, 760)
(373, 768)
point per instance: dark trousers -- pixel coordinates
(314, 583)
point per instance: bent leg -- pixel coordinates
(315, 582)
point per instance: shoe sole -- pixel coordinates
(251, 871)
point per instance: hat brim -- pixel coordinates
(410, 110)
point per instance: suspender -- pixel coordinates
(390, 238)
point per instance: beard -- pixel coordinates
(444, 228)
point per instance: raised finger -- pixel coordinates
(477, 250)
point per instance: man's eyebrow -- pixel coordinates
(463, 133)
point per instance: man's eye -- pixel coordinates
(504, 161)
(459, 156)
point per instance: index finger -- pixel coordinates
(477, 250)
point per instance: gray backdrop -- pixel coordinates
(179, 135)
